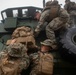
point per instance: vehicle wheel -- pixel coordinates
(68, 43)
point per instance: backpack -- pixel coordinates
(22, 32)
(22, 35)
(44, 65)
(54, 11)
(9, 67)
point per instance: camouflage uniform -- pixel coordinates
(61, 18)
(55, 24)
(37, 62)
(71, 8)
(44, 16)
(14, 59)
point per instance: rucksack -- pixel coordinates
(54, 12)
(22, 32)
(9, 67)
(22, 35)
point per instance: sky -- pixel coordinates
(4, 4)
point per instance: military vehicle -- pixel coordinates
(64, 57)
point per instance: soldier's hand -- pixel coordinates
(36, 33)
(55, 47)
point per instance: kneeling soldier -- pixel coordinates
(42, 62)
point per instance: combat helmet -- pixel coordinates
(47, 42)
(48, 3)
(67, 0)
(16, 50)
(55, 2)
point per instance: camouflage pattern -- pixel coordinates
(22, 35)
(57, 23)
(17, 50)
(16, 56)
(22, 32)
(42, 61)
(70, 7)
(55, 2)
(46, 15)
(36, 60)
(47, 42)
(48, 3)
(54, 25)
(43, 17)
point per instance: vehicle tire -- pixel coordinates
(68, 44)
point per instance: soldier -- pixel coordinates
(14, 59)
(50, 14)
(71, 8)
(42, 62)
(54, 25)
(37, 15)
